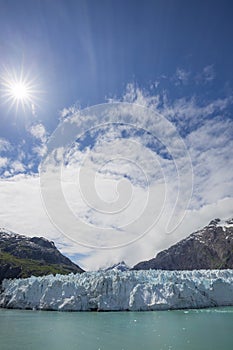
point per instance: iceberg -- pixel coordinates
(116, 290)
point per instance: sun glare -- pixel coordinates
(19, 90)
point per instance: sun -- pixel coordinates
(19, 90)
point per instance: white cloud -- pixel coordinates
(187, 110)
(68, 112)
(210, 148)
(39, 132)
(157, 240)
(3, 162)
(40, 150)
(207, 75)
(114, 158)
(23, 211)
(211, 191)
(17, 167)
(136, 95)
(181, 76)
(4, 145)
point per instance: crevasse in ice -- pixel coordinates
(117, 290)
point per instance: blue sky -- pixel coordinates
(88, 50)
(173, 56)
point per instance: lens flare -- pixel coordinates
(18, 90)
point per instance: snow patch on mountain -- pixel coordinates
(121, 266)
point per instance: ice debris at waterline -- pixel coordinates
(117, 290)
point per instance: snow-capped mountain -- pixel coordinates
(121, 266)
(22, 256)
(208, 248)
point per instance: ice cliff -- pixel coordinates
(117, 290)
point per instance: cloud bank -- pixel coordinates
(124, 163)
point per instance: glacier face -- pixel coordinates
(117, 290)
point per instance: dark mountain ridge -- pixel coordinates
(22, 256)
(208, 248)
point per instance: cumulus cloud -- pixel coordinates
(17, 167)
(119, 166)
(157, 240)
(23, 210)
(40, 150)
(3, 162)
(24, 213)
(39, 132)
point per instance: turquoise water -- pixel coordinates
(207, 329)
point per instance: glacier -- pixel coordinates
(120, 291)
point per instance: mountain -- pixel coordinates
(208, 248)
(22, 256)
(121, 266)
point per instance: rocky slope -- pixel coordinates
(22, 256)
(208, 248)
